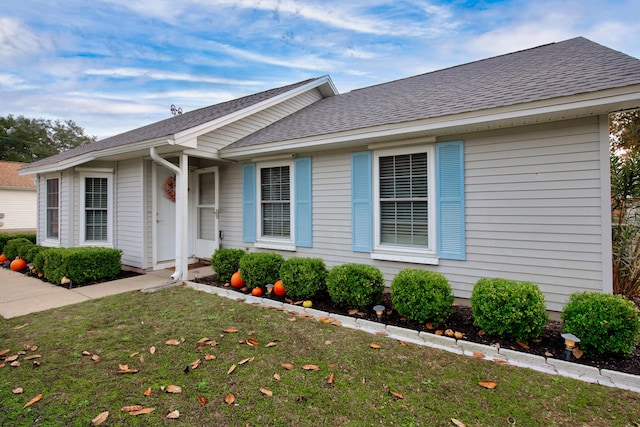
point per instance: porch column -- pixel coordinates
(182, 218)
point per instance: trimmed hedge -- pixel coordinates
(355, 285)
(225, 262)
(507, 308)
(14, 247)
(421, 295)
(606, 324)
(5, 237)
(81, 265)
(260, 268)
(304, 278)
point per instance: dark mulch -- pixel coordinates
(550, 344)
(123, 274)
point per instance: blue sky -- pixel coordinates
(114, 65)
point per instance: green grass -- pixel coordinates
(436, 385)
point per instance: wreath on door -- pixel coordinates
(169, 188)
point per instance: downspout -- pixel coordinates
(181, 268)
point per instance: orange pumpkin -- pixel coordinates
(236, 280)
(3, 258)
(257, 291)
(278, 288)
(18, 264)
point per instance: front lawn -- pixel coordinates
(263, 367)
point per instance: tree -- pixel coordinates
(27, 140)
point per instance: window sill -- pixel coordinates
(98, 243)
(405, 257)
(278, 246)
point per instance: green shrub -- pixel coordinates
(38, 260)
(606, 324)
(81, 265)
(355, 285)
(29, 253)
(260, 268)
(507, 308)
(304, 278)
(225, 262)
(13, 247)
(5, 237)
(421, 295)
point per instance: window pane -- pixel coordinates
(53, 198)
(96, 213)
(275, 201)
(206, 188)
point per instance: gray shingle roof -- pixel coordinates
(555, 70)
(173, 125)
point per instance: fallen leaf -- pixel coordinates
(287, 366)
(396, 395)
(134, 354)
(141, 358)
(352, 311)
(142, 411)
(203, 340)
(229, 399)
(439, 332)
(276, 376)
(32, 356)
(266, 392)
(330, 380)
(86, 353)
(15, 328)
(231, 369)
(374, 345)
(132, 408)
(577, 353)
(152, 349)
(195, 364)
(15, 364)
(458, 423)
(481, 332)
(100, 418)
(478, 355)
(32, 401)
(523, 345)
(403, 343)
(202, 400)
(95, 358)
(488, 384)
(124, 369)
(429, 325)
(230, 330)
(291, 319)
(271, 344)
(173, 342)
(311, 367)
(4, 352)
(547, 354)
(12, 358)
(173, 415)
(147, 392)
(253, 341)
(248, 359)
(209, 357)
(17, 390)
(173, 389)
(36, 363)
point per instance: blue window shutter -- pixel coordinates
(450, 200)
(249, 202)
(302, 191)
(361, 204)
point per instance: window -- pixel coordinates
(403, 203)
(275, 202)
(96, 208)
(53, 209)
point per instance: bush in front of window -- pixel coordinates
(606, 324)
(81, 265)
(421, 295)
(13, 247)
(260, 268)
(355, 285)
(304, 278)
(510, 309)
(5, 237)
(225, 262)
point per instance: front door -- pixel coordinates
(165, 215)
(207, 229)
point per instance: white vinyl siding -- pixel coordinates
(130, 220)
(19, 208)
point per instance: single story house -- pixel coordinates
(495, 168)
(17, 199)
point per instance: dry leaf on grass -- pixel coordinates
(173, 389)
(134, 354)
(271, 344)
(173, 342)
(24, 325)
(403, 343)
(147, 392)
(202, 400)
(396, 395)
(173, 415)
(203, 340)
(231, 369)
(488, 384)
(32, 401)
(230, 330)
(142, 411)
(124, 369)
(478, 355)
(195, 364)
(248, 359)
(152, 349)
(12, 358)
(229, 399)
(17, 390)
(252, 341)
(458, 423)
(4, 352)
(209, 357)
(374, 345)
(287, 366)
(100, 418)
(14, 364)
(311, 367)
(330, 380)
(266, 392)
(131, 408)
(276, 376)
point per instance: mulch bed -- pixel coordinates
(550, 344)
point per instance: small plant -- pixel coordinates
(5, 237)
(355, 285)
(507, 308)
(421, 295)
(81, 265)
(606, 324)
(13, 247)
(304, 278)
(225, 262)
(260, 268)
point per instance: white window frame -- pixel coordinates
(83, 230)
(51, 241)
(399, 253)
(270, 242)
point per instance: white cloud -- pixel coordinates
(18, 41)
(165, 75)
(11, 80)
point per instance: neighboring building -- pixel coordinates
(496, 168)
(17, 199)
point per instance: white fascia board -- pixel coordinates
(536, 110)
(188, 137)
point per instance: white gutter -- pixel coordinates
(181, 267)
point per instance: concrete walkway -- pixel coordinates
(21, 294)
